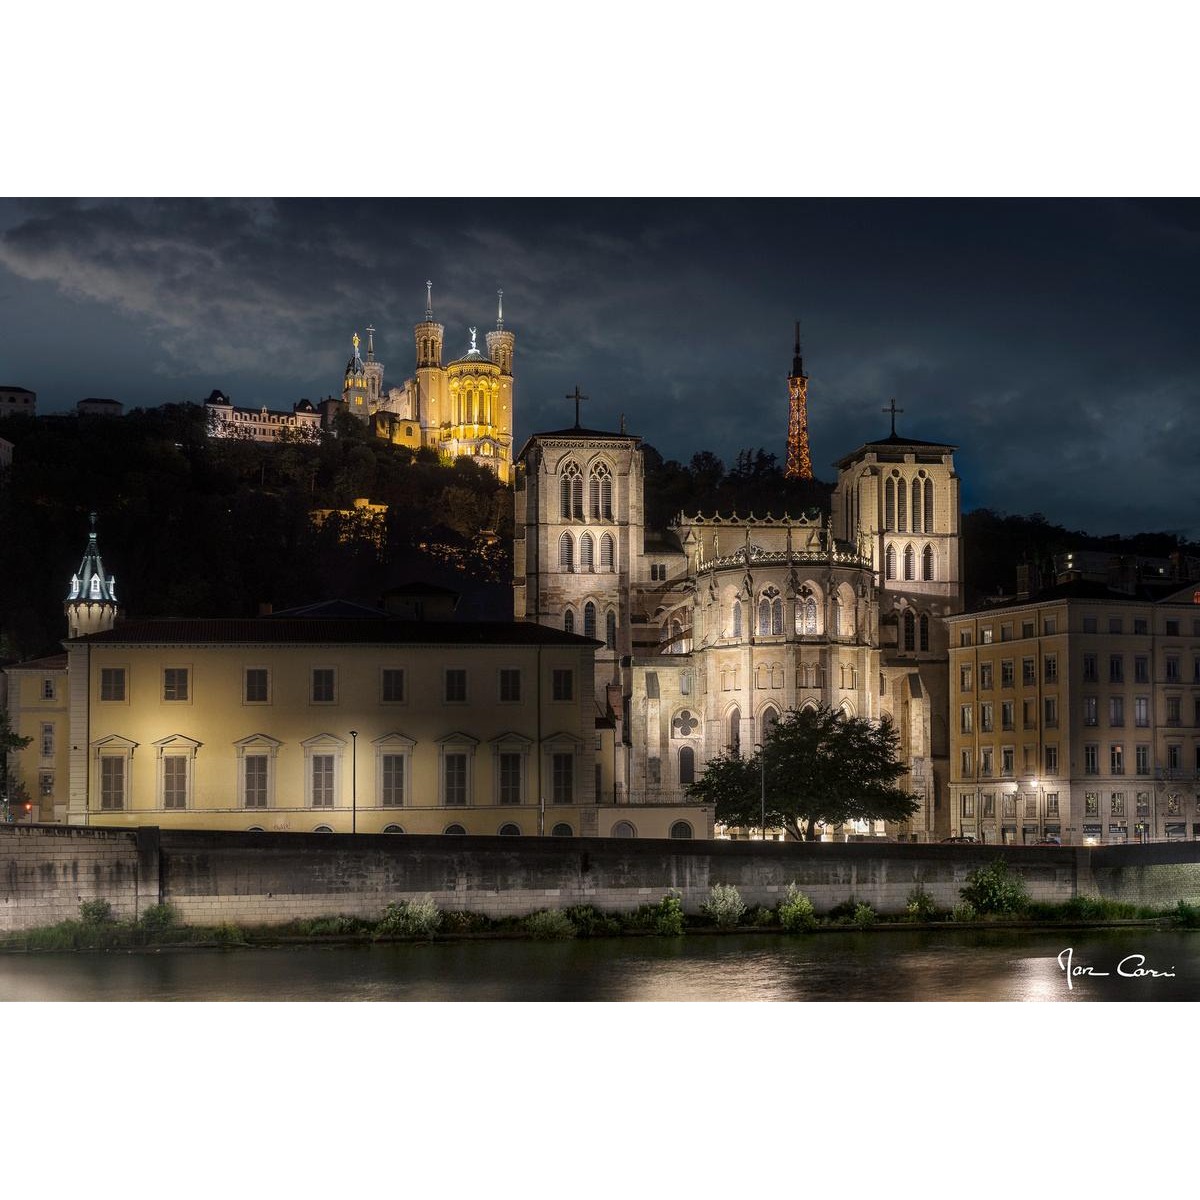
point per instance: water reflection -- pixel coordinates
(980, 965)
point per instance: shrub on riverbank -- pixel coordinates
(1185, 915)
(864, 915)
(409, 918)
(995, 889)
(920, 905)
(551, 924)
(724, 906)
(963, 911)
(796, 912)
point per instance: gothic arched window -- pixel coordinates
(571, 492)
(924, 631)
(769, 717)
(810, 616)
(837, 617)
(586, 556)
(606, 552)
(764, 616)
(737, 618)
(687, 766)
(889, 504)
(910, 563)
(929, 506)
(910, 631)
(927, 563)
(916, 506)
(569, 621)
(735, 730)
(566, 552)
(601, 492)
(589, 620)
(889, 560)
(901, 505)
(610, 630)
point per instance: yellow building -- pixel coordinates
(330, 718)
(1075, 714)
(463, 409)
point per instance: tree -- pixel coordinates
(819, 767)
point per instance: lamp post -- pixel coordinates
(354, 781)
(762, 762)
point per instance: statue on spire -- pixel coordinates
(500, 309)
(429, 299)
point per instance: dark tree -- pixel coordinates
(820, 767)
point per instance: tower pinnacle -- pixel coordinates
(500, 309)
(429, 299)
(370, 343)
(799, 459)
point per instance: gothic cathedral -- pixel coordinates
(714, 627)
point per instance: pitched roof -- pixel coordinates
(51, 662)
(325, 631)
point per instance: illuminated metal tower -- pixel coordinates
(799, 460)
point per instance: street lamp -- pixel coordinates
(354, 781)
(762, 762)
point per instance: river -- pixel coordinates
(909, 965)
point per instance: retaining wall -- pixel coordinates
(272, 878)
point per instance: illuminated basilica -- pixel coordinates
(463, 408)
(715, 627)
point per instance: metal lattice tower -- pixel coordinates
(799, 460)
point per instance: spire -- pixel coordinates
(370, 343)
(500, 309)
(797, 357)
(429, 299)
(799, 457)
(91, 603)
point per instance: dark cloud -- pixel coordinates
(1052, 341)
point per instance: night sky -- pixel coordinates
(1054, 341)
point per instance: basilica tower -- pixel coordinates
(500, 344)
(373, 371)
(355, 394)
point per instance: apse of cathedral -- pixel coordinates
(460, 409)
(715, 626)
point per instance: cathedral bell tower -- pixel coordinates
(799, 459)
(430, 400)
(373, 371)
(91, 604)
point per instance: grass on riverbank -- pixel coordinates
(97, 929)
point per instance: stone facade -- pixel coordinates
(715, 627)
(1076, 715)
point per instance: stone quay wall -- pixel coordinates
(271, 878)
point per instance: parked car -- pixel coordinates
(962, 837)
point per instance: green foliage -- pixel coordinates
(760, 917)
(158, 919)
(590, 922)
(551, 924)
(817, 766)
(920, 905)
(796, 912)
(340, 926)
(864, 915)
(964, 910)
(1186, 916)
(724, 906)
(410, 918)
(95, 912)
(461, 921)
(995, 889)
(668, 919)
(227, 934)
(841, 913)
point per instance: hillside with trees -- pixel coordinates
(198, 526)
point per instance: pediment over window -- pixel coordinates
(394, 741)
(261, 742)
(462, 739)
(115, 741)
(178, 742)
(511, 739)
(323, 739)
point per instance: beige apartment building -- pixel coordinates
(1075, 714)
